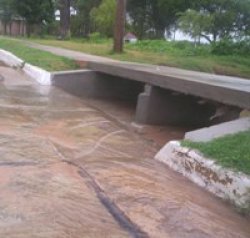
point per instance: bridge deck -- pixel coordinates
(224, 89)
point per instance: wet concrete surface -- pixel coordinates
(69, 170)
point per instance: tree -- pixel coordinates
(139, 17)
(6, 13)
(35, 12)
(103, 17)
(84, 15)
(217, 19)
(153, 18)
(195, 24)
(242, 20)
(64, 8)
(119, 29)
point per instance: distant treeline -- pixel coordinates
(213, 20)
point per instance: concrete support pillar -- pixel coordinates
(157, 106)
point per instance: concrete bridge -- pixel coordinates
(164, 95)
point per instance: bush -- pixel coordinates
(184, 48)
(150, 45)
(96, 37)
(228, 47)
(182, 45)
(76, 26)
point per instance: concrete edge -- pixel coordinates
(223, 182)
(42, 76)
(10, 59)
(220, 130)
(68, 72)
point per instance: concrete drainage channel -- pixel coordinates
(224, 183)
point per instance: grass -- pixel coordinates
(232, 151)
(176, 54)
(45, 60)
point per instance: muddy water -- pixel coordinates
(70, 170)
(123, 113)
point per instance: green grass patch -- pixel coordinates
(45, 60)
(232, 151)
(176, 54)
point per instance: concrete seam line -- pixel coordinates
(121, 218)
(42, 76)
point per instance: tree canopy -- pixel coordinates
(103, 17)
(35, 12)
(217, 19)
(209, 19)
(7, 11)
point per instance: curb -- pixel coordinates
(42, 76)
(224, 183)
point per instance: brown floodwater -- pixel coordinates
(72, 168)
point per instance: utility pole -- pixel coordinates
(119, 30)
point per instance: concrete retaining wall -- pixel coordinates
(224, 183)
(43, 77)
(88, 83)
(223, 129)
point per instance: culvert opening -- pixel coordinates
(119, 98)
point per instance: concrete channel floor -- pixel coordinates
(69, 170)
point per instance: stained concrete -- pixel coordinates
(70, 170)
(225, 183)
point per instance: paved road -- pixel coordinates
(75, 55)
(69, 170)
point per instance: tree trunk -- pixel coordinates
(11, 28)
(207, 38)
(5, 28)
(64, 19)
(214, 37)
(28, 29)
(24, 28)
(119, 26)
(86, 29)
(159, 33)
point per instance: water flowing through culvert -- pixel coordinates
(114, 189)
(123, 113)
